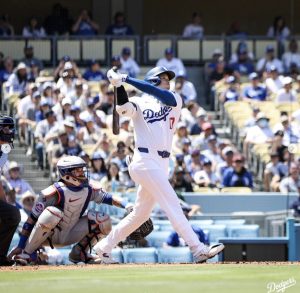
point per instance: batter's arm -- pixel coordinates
(124, 106)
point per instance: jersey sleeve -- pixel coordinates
(128, 109)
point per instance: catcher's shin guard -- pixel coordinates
(99, 226)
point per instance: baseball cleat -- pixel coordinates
(87, 258)
(208, 253)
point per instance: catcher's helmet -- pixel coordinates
(152, 75)
(7, 129)
(66, 168)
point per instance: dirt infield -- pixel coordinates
(116, 266)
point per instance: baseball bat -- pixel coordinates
(115, 119)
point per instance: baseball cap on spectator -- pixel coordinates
(230, 79)
(20, 66)
(181, 73)
(287, 80)
(68, 65)
(78, 83)
(47, 85)
(261, 115)
(201, 113)
(271, 68)
(44, 102)
(185, 141)
(227, 151)
(75, 108)
(13, 165)
(284, 118)
(36, 95)
(26, 195)
(238, 158)
(69, 123)
(66, 58)
(217, 51)
(115, 58)
(270, 48)
(88, 118)
(96, 156)
(169, 51)
(126, 51)
(33, 63)
(90, 102)
(93, 62)
(66, 101)
(195, 153)
(206, 161)
(212, 137)
(206, 126)
(253, 76)
(61, 131)
(181, 125)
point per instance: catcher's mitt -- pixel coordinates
(144, 230)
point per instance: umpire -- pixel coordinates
(9, 215)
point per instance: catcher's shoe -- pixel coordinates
(25, 259)
(106, 258)
(82, 256)
(208, 252)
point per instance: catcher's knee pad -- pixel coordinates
(103, 221)
(50, 218)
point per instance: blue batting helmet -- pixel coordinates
(152, 76)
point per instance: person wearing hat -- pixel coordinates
(27, 201)
(16, 181)
(232, 91)
(243, 66)
(291, 57)
(287, 94)
(18, 81)
(90, 133)
(237, 175)
(128, 64)
(255, 91)
(7, 70)
(184, 88)
(201, 141)
(115, 61)
(67, 84)
(171, 63)
(227, 155)
(213, 151)
(269, 60)
(181, 132)
(94, 73)
(240, 48)
(29, 57)
(273, 81)
(194, 30)
(252, 120)
(292, 182)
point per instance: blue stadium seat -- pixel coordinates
(157, 238)
(163, 225)
(174, 255)
(140, 255)
(230, 222)
(201, 223)
(242, 231)
(215, 231)
(117, 255)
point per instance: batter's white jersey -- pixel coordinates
(154, 122)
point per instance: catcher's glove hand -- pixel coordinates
(144, 230)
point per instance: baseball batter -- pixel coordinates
(154, 116)
(9, 215)
(58, 216)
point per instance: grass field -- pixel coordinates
(150, 278)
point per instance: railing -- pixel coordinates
(145, 49)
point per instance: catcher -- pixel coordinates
(57, 219)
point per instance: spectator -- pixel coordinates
(254, 92)
(58, 22)
(278, 30)
(227, 154)
(111, 182)
(6, 28)
(292, 182)
(98, 168)
(206, 177)
(286, 94)
(7, 70)
(90, 133)
(265, 63)
(128, 64)
(292, 57)
(213, 152)
(29, 57)
(171, 63)
(181, 132)
(119, 28)
(201, 141)
(116, 61)
(251, 121)
(27, 201)
(84, 25)
(65, 64)
(33, 29)
(34, 71)
(296, 207)
(238, 175)
(190, 113)
(185, 88)
(216, 57)
(180, 181)
(67, 84)
(193, 162)
(241, 47)
(274, 80)
(243, 65)
(17, 81)
(231, 94)
(15, 180)
(279, 147)
(195, 29)
(94, 72)
(235, 30)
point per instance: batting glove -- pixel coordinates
(116, 78)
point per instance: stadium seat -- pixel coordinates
(140, 255)
(117, 255)
(174, 255)
(230, 222)
(157, 238)
(241, 231)
(163, 225)
(239, 190)
(215, 231)
(201, 222)
(205, 189)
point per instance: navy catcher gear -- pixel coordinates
(7, 129)
(152, 76)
